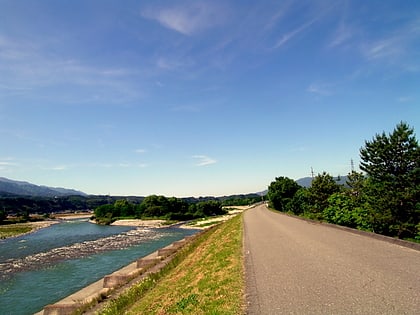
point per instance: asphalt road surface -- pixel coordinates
(298, 267)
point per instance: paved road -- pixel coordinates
(297, 267)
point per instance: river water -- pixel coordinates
(45, 266)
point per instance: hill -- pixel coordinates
(306, 181)
(13, 187)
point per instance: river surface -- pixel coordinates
(45, 266)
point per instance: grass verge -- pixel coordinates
(206, 277)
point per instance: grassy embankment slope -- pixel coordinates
(206, 277)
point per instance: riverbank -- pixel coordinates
(19, 229)
(195, 224)
(141, 223)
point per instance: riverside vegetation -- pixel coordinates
(205, 277)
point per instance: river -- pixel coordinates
(45, 266)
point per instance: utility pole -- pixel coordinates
(312, 173)
(352, 165)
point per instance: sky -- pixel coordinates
(200, 98)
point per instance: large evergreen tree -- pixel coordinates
(392, 164)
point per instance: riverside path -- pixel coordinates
(298, 267)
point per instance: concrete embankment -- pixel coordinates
(100, 290)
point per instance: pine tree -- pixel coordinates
(392, 164)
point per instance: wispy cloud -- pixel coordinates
(404, 99)
(203, 160)
(290, 35)
(342, 35)
(37, 68)
(8, 164)
(140, 151)
(320, 89)
(388, 47)
(397, 44)
(189, 18)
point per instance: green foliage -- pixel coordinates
(322, 187)
(300, 202)
(206, 209)
(392, 163)
(281, 192)
(344, 210)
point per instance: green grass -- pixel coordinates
(14, 230)
(206, 277)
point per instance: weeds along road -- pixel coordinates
(298, 267)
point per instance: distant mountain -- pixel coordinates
(307, 181)
(13, 187)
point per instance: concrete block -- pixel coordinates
(113, 281)
(147, 262)
(179, 244)
(165, 252)
(61, 309)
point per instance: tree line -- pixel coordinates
(158, 207)
(383, 198)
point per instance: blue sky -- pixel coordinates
(194, 98)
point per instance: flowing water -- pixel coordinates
(43, 267)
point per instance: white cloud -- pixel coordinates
(188, 19)
(140, 151)
(203, 160)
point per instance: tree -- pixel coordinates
(281, 192)
(392, 163)
(356, 182)
(300, 202)
(154, 206)
(207, 208)
(322, 187)
(122, 208)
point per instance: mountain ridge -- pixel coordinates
(22, 188)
